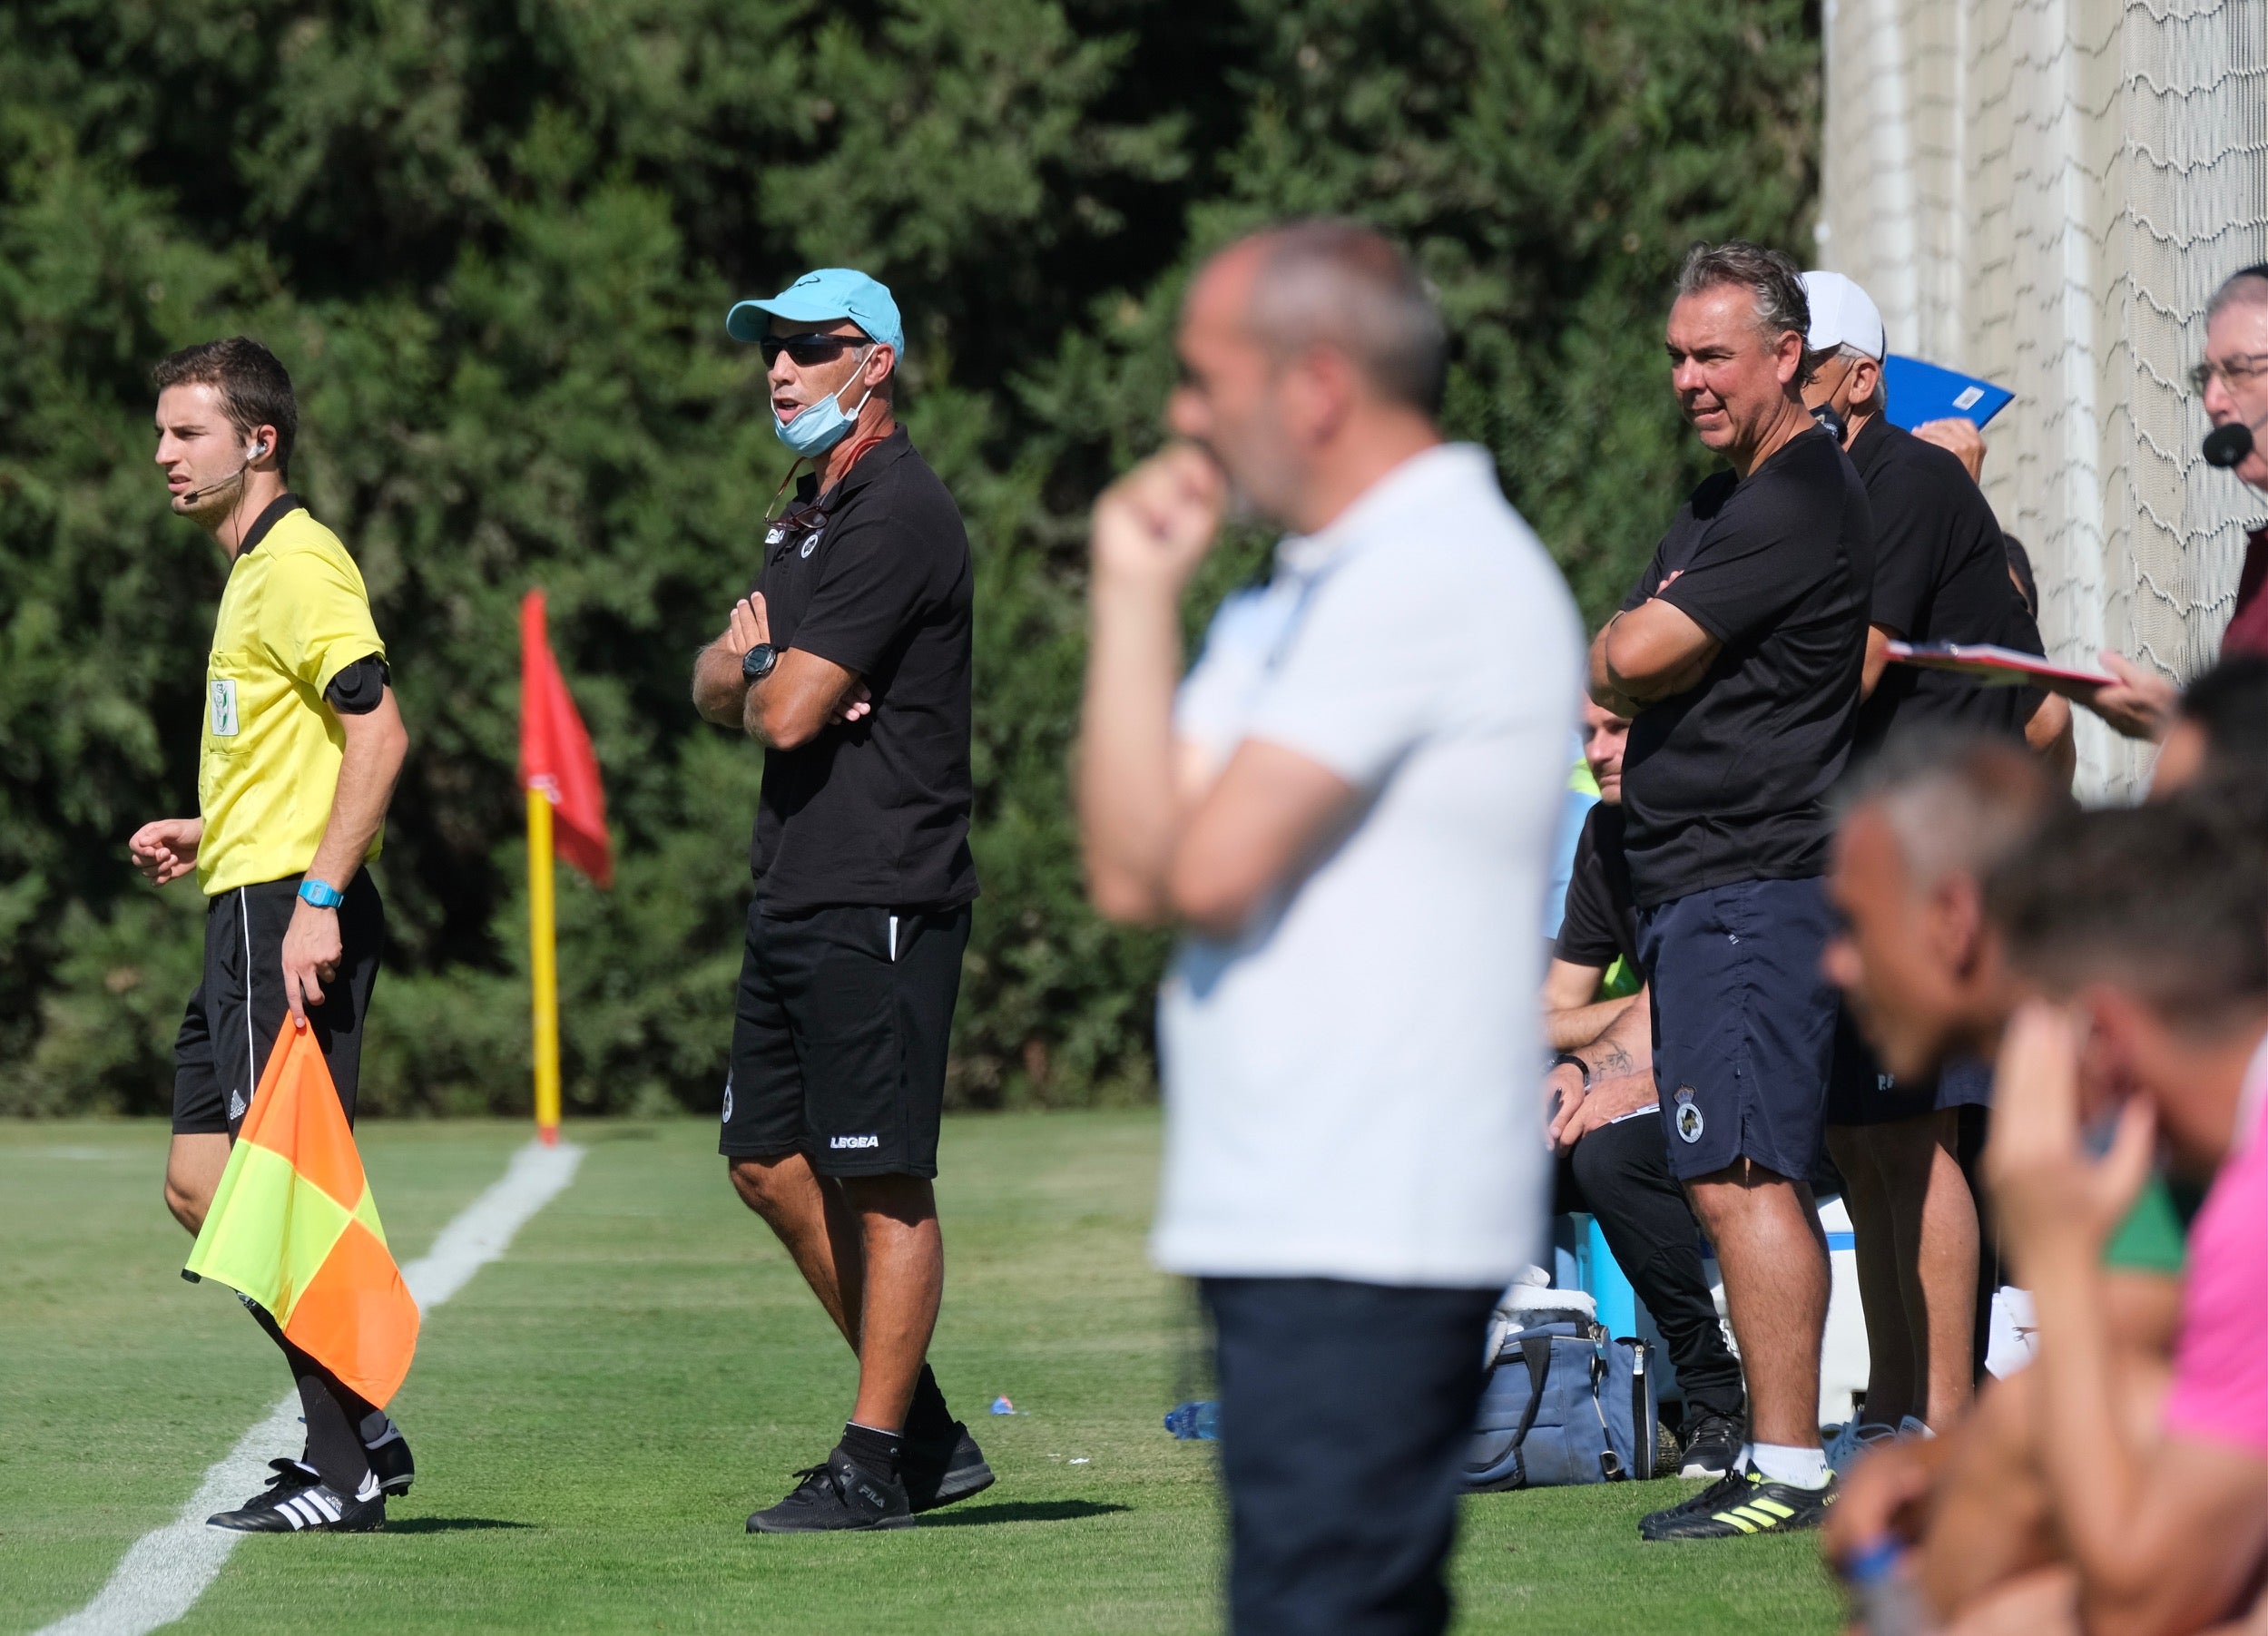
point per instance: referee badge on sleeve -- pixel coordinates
(224, 723)
(1687, 1116)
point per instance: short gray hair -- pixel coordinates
(2246, 285)
(1813, 362)
(1338, 284)
(1771, 276)
(1961, 802)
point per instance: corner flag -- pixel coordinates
(555, 753)
(559, 771)
(293, 1226)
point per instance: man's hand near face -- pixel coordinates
(1155, 525)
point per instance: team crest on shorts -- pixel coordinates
(1687, 1116)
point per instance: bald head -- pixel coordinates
(1344, 287)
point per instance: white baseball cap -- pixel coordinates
(1842, 315)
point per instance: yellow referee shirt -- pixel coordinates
(294, 615)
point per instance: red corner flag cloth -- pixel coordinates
(555, 753)
(293, 1226)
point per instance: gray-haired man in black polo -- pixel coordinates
(849, 664)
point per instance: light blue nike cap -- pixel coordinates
(821, 297)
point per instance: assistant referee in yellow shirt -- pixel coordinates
(302, 743)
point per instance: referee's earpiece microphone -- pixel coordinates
(250, 454)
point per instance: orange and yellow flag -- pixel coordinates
(292, 1226)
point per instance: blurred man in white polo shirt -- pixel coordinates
(1350, 813)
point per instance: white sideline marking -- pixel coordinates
(166, 1570)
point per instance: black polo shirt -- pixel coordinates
(875, 577)
(1940, 574)
(1601, 918)
(1728, 781)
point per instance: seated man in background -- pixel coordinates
(1606, 1120)
(1926, 973)
(2220, 724)
(2142, 937)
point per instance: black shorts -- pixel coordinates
(1861, 1092)
(1744, 1023)
(838, 1038)
(239, 1010)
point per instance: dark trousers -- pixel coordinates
(1344, 1410)
(1620, 1173)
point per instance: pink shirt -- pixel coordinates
(2221, 1360)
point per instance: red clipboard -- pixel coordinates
(1992, 665)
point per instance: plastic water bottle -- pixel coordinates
(1194, 1422)
(1883, 1602)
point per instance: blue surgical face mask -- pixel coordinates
(820, 426)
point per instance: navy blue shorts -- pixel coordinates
(1861, 1092)
(1744, 1023)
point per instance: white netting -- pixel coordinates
(2046, 192)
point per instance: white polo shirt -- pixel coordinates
(1353, 1085)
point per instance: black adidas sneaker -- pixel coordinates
(939, 1472)
(1741, 1503)
(293, 1503)
(1712, 1446)
(389, 1457)
(838, 1496)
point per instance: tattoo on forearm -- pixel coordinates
(1610, 1061)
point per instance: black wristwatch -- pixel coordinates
(1567, 1059)
(757, 662)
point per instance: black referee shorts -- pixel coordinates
(239, 1010)
(838, 1038)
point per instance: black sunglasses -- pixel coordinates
(808, 349)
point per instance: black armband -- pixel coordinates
(357, 690)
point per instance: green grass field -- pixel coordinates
(596, 1413)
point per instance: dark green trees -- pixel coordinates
(494, 244)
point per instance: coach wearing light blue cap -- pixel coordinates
(849, 662)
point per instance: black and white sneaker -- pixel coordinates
(938, 1473)
(835, 1497)
(1712, 1446)
(389, 1457)
(293, 1505)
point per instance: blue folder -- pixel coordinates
(1921, 392)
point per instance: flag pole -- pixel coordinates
(543, 964)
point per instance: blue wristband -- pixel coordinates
(320, 894)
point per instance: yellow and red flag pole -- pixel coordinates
(543, 964)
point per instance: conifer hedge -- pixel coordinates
(494, 244)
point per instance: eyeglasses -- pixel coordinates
(809, 349)
(2231, 371)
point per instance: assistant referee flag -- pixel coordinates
(293, 1226)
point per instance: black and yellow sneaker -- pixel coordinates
(1741, 1502)
(839, 1495)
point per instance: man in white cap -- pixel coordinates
(1940, 574)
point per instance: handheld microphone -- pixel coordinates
(2226, 445)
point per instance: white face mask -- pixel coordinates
(820, 426)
